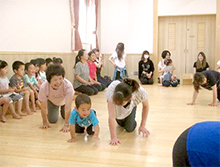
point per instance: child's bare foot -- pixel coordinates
(16, 116)
(3, 119)
(22, 114)
(29, 112)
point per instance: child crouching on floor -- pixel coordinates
(83, 116)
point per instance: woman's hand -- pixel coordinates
(72, 140)
(213, 104)
(115, 141)
(190, 103)
(143, 130)
(45, 126)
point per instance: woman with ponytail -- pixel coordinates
(208, 79)
(118, 59)
(122, 100)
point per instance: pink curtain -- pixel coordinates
(78, 43)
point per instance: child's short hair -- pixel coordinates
(82, 99)
(167, 61)
(41, 61)
(54, 69)
(27, 65)
(48, 60)
(35, 62)
(57, 60)
(16, 65)
(3, 64)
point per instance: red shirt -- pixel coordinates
(92, 70)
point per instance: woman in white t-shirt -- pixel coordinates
(122, 99)
(118, 59)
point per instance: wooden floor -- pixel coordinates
(23, 144)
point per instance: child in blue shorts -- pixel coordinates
(83, 117)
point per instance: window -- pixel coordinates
(87, 23)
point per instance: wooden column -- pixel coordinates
(217, 43)
(155, 57)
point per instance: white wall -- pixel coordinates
(186, 7)
(127, 21)
(35, 25)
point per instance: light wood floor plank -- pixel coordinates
(23, 144)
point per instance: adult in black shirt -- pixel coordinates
(201, 64)
(208, 79)
(145, 69)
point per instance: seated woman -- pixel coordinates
(201, 64)
(145, 69)
(161, 66)
(82, 81)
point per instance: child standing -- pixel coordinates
(83, 116)
(18, 83)
(118, 59)
(32, 81)
(8, 93)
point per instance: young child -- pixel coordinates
(119, 62)
(168, 77)
(42, 68)
(83, 116)
(49, 61)
(35, 62)
(100, 63)
(17, 82)
(8, 93)
(58, 61)
(92, 70)
(32, 81)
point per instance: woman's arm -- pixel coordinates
(111, 59)
(68, 103)
(195, 94)
(80, 79)
(214, 101)
(145, 111)
(194, 70)
(112, 124)
(44, 115)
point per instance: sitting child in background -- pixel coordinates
(35, 62)
(32, 81)
(49, 61)
(169, 78)
(8, 96)
(93, 69)
(17, 82)
(58, 61)
(42, 69)
(83, 116)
